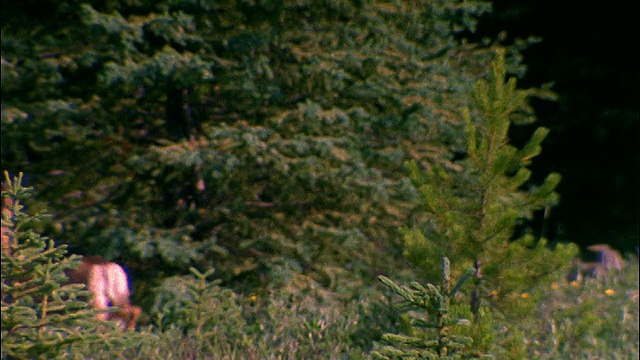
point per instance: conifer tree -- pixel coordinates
(435, 335)
(470, 214)
(41, 317)
(263, 138)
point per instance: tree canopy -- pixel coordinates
(263, 162)
(265, 138)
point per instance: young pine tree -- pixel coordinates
(437, 335)
(41, 317)
(470, 215)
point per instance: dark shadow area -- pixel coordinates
(589, 53)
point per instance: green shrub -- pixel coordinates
(208, 317)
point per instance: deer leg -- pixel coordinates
(135, 312)
(97, 284)
(119, 294)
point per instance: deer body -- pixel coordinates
(609, 260)
(109, 285)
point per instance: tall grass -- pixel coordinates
(589, 320)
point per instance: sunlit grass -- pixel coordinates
(589, 319)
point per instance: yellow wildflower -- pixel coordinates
(610, 292)
(555, 286)
(574, 284)
(524, 295)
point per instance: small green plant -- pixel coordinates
(209, 315)
(433, 336)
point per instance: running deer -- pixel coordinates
(109, 285)
(609, 260)
(107, 281)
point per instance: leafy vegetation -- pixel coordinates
(196, 318)
(266, 140)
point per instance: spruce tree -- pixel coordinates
(437, 334)
(470, 213)
(42, 318)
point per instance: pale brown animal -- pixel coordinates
(609, 260)
(109, 285)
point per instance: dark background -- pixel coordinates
(590, 54)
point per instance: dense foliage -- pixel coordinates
(265, 140)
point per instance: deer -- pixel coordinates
(609, 260)
(109, 286)
(107, 281)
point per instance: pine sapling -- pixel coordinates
(471, 211)
(433, 336)
(41, 316)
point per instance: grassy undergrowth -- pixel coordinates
(195, 318)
